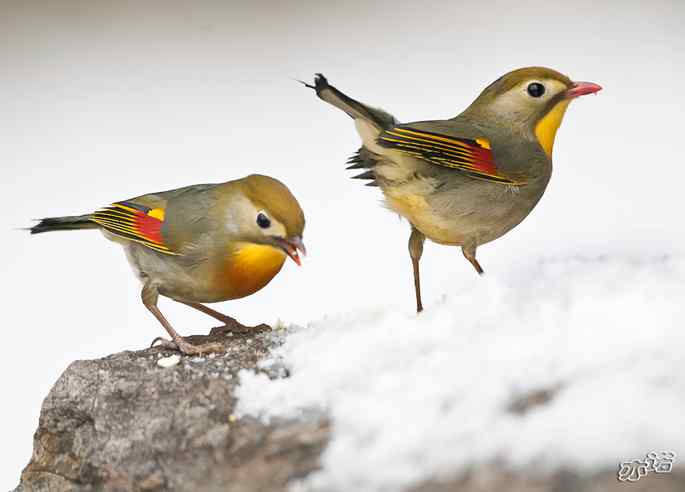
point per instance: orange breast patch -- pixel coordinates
(249, 268)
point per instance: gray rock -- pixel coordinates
(125, 423)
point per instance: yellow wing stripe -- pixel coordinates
(465, 160)
(484, 142)
(445, 151)
(430, 145)
(157, 213)
(439, 138)
(124, 207)
(145, 242)
(129, 230)
(114, 220)
(120, 220)
(463, 150)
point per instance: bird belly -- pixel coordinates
(477, 213)
(407, 192)
(420, 214)
(173, 276)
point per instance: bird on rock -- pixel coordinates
(201, 243)
(467, 180)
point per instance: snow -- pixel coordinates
(413, 397)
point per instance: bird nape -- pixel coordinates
(470, 179)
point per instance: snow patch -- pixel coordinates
(414, 397)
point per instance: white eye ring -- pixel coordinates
(263, 220)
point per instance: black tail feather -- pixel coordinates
(365, 175)
(354, 108)
(359, 165)
(63, 224)
(364, 159)
(381, 120)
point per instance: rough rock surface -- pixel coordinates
(127, 423)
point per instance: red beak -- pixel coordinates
(582, 88)
(292, 247)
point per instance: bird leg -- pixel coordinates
(469, 253)
(415, 251)
(231, 325)
(150, 295)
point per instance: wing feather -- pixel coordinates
(135, 222)
(474, 157)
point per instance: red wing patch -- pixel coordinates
(471, 156)
(135, 222)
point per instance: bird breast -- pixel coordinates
(248, 268)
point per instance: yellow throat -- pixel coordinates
(546, 128)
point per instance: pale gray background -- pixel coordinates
(101, 101)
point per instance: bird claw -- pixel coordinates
(188, 348)
(163, 343)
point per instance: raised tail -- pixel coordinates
(369, 122)
(357, 111)
(63, 224)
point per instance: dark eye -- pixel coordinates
(263, 221)
(536, 89)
